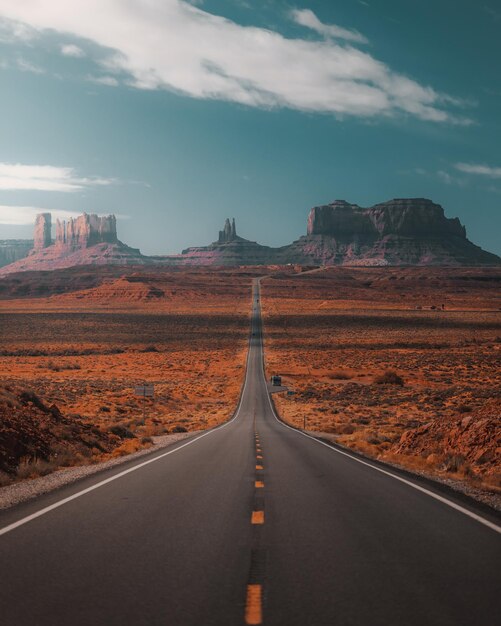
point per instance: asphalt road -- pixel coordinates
(251, 522)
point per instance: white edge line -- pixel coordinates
(446, 501)
(56, 505)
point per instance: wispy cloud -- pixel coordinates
(479, 169)
(17, 176)
(25, 215)
(70, 50)
(306, 17)
(109, 81)
(174, 45)
(26, 66)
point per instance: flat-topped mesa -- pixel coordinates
(42, 237)
(404, 217)
(229, 232)
(85, 231)
(414, 217)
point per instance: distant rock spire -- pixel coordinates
(42, 237)
(229, 232)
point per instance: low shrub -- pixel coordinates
(389, 378)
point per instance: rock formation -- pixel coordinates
(229, 249)
(85, 240)
(405, 217)
(229, 232)
(404, 231)
(85, 231)
(43, 237)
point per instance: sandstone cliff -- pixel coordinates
(404, 231)
(229, 249)
(85, 240)
(85, 231)
(43, 237)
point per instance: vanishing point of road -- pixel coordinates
(252, 522)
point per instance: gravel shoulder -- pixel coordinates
(490, 499)
(12, 495)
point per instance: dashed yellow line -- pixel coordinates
(257, 517)
(258, 456)
(259, 484)
(259, 467)
(254, 605)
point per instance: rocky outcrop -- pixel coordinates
(403, 231)
(85, 240)
(12, 250)
(43, 227)
(229, 249)
(229, 232)
(475, 440)
(404, 217)
(85, 231)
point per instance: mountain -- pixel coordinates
(85, 240)
(229, 249)
(403, 231)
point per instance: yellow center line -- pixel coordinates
(257, 517)
(259, 467)
(259, 484)
(259, 456)
(253, 605)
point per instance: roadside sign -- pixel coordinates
(145, 391)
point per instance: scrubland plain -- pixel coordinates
(70, 362)
(400, 364)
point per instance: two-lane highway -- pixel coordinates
(251, 522)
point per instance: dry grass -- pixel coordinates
(85, 354)
(369, 369)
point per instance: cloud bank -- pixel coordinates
(174, 45)
(20, 177)
(479, 169)
(12, 215)
(306, 17)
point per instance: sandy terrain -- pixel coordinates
(334, 334)
(70, 363)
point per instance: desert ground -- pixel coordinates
(70, 361)
(400, 364)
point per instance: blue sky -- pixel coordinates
(174, 115)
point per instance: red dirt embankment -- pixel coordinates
(473, 442)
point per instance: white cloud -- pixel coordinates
(479, 169)
(11, 31)
(171, 44)
(25, 215)
(110, 81)
(445, 177)
(70, 50)
(17, 176)
(27, 66)
(306, 17)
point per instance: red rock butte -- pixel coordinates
(400, 232)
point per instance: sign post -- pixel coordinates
(145, 391)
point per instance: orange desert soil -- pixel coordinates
(69, 362)
(332, 334)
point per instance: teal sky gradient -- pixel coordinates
(177, 165)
